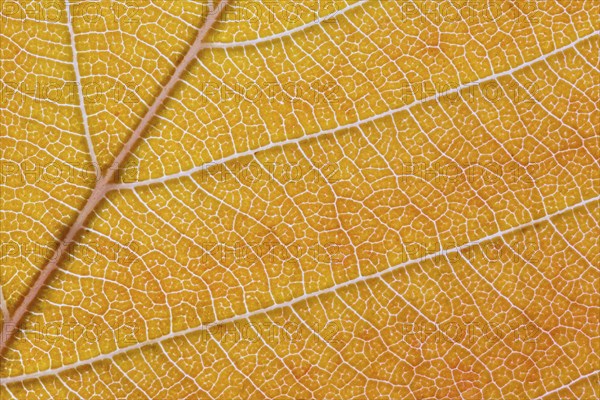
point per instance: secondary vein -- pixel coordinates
(86, 126)
(357, 124)
(103, 184)
(292, 302)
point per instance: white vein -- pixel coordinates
(86, 127)
(568, 385)
(5, 313)
(290, 303)
(191, 171)
(254, 42)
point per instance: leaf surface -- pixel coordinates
(321, 199)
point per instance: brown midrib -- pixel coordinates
(103, 184)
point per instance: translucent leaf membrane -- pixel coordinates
(46, 170)
(127, 51)
(482, 322)
(374, 59)
(362, 199)
(255, 20)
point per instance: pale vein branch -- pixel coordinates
(357, 124)
(568, 385)
(103, 184)
(254, 42)
(78, 83)
(5, 313)
(290, 303)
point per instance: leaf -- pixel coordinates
(320, 199)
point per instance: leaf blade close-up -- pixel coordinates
(303, 200)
